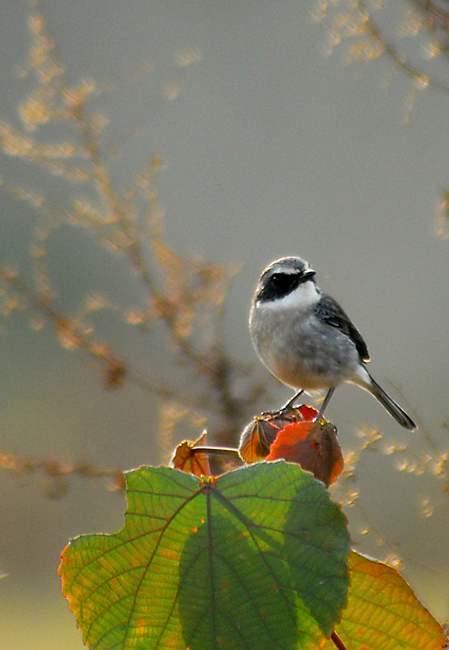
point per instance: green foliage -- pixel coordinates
(254, 558)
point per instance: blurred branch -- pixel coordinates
(357, 21)
(72, 335)
(56, 473)
(360, 20)
(436, 18)
(186, 295)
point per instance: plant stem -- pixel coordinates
(338, 642)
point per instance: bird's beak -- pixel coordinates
(307, 275)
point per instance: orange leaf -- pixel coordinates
(255, 440)
(312, 445)
(188, 460)
(261, 432)
(308, 413)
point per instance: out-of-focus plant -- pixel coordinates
(414, 34)
(185, 297)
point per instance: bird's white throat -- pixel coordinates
(305, 295)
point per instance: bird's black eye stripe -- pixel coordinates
(278, 286)
(279, 280)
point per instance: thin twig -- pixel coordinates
(389, 49)
(42, 303)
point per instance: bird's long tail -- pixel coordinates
(390, 405)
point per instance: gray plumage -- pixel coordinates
(306, 339)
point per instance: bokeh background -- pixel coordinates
(271, 147)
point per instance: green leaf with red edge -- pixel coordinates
(383, 613)
(254, 558)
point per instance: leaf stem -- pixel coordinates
(216, 450)
(338, 642)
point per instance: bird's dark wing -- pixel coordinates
(329, 311)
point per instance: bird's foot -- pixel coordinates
(273, 414)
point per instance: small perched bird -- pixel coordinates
(306, 340)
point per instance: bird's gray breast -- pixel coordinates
(300, 350)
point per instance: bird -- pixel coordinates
(307, 341)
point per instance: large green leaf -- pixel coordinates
(253, 559)
(383, 613)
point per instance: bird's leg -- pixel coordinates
(286, 406)
(326, 401)
(291, 401)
